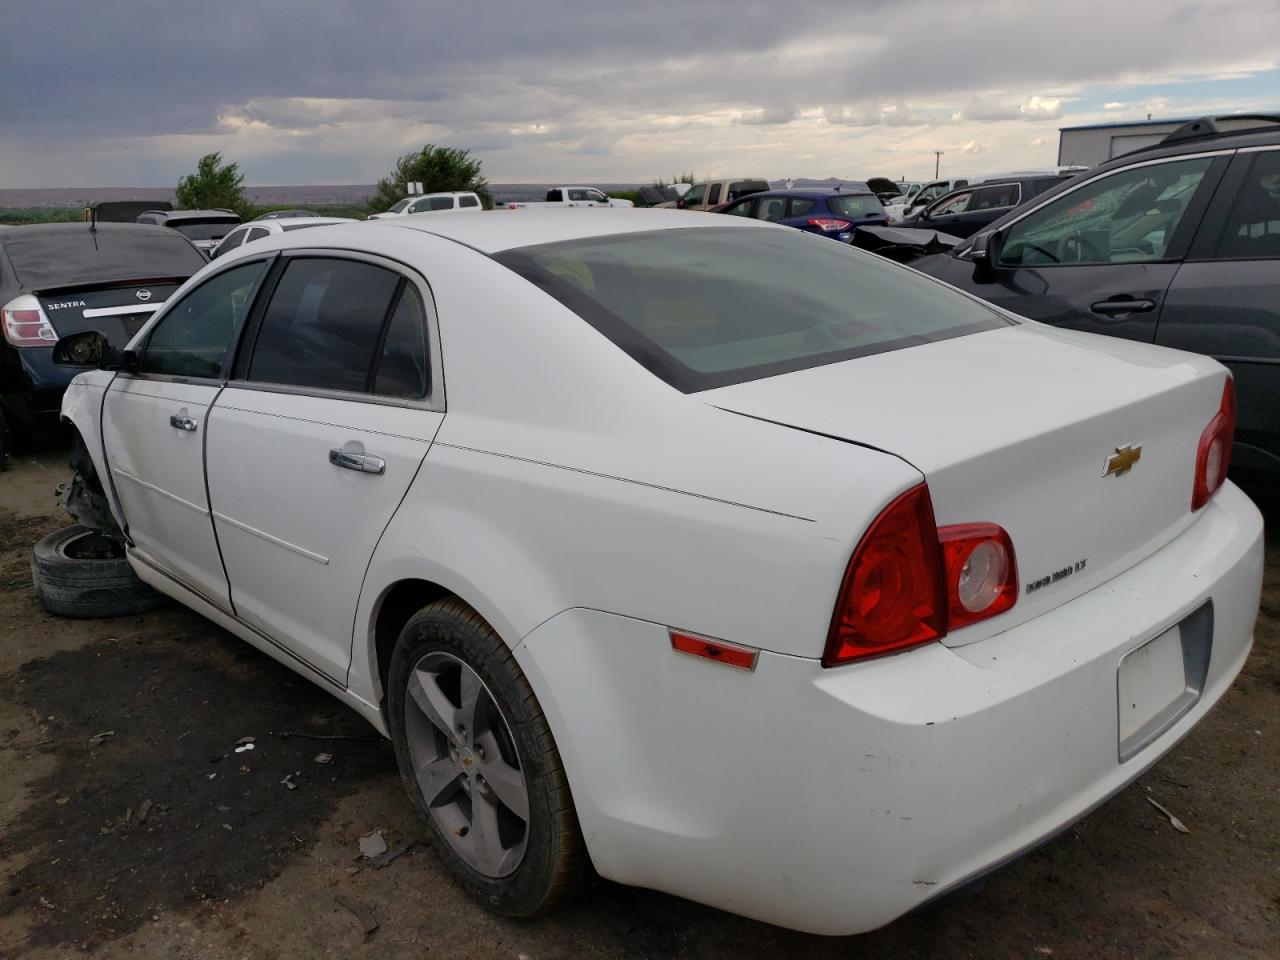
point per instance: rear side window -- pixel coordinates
(555, 196)
(714, 196)
(323, 324)
(402, 367)
(706, 307)
(468, 202)
(992, 198)
(441, 203)
(855, 206)
(1252, 230)
(800, 207)
(193, 336)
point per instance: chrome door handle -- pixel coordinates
(183, 423)
(359, 462)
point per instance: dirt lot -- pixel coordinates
(161, 840)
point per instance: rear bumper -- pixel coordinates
(834, 801)
(31, 384)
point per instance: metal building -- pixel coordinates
(1095, 143)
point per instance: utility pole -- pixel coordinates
(937, 162)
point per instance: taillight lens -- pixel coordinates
(909, 581)
(1213, 454)
(25, 324)
(892, 596)
(982, 576)
(829, 224)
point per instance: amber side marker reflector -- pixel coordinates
(729, 654)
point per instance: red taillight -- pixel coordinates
(892, 596)
(25, 324)
(829, 224)
(982, 576)
(909, 581)
(1213, 455)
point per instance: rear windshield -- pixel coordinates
(203, 229)
(65, 259)
(855, 206)
(707, 307)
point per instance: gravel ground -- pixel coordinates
(161, 840)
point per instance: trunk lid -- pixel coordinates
(1017, 427)
(116, 310)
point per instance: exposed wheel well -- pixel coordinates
(401, 602)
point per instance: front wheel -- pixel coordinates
(478, 761)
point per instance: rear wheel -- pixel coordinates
(477, 758)
(80, 573)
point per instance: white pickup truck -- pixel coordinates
(572, 197)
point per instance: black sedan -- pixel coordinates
(61, 278)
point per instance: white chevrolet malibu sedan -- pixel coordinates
(717, 557)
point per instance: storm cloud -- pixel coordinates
(131, 93)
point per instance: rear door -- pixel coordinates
(1100, 257)
(335, 400)
(154, 429)
(1225, 300)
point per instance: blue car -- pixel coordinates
(831, 212)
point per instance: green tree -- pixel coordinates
(213, 185)
(438, 169)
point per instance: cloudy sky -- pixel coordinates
(132, 92)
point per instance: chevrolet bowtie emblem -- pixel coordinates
(1122, 461)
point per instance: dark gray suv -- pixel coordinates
(1176, 244)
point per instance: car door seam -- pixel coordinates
(364, 577)
(208, 496)
(639, 483)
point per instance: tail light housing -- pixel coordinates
(25, 323)
(909, 581)
(829, 224)
(1213, 453)
(982, 575)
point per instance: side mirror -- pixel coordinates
(984, 251)
(90, 350)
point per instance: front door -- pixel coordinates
(1225, 301)
(154, 427)
(1101, 257)
(315, 442)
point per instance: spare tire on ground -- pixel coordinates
(80, 573)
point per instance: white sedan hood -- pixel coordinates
(1016, 427)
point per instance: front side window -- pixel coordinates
(956, 203)
(706, 307)
(231, 241)
(1252, 230)
(1127, 217)
(192, 338)
(740, 209)
(555, 196)
(256, 233)
(399, 205)
(693, 197)
(322, 326)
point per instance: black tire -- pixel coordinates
(79, 573)
(555, 865)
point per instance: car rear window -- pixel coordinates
(67, 258)
(204, 229)
(707, 307)
(855, 206)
